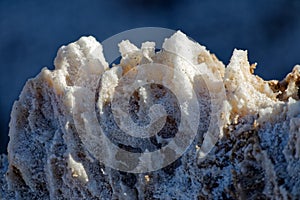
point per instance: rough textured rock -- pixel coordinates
(55, 151)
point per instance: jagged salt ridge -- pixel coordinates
(257, 155)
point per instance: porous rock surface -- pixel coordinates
(256, 156)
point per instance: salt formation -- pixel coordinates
(57, 149)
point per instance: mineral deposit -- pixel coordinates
(246, 146)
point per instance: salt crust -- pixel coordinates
(256, 156)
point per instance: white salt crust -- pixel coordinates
(53, 151)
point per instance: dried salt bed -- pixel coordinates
(59, 127)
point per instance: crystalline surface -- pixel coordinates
(193, 128)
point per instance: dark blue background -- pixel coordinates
(32, 31)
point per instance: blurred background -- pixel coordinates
(32, 31)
